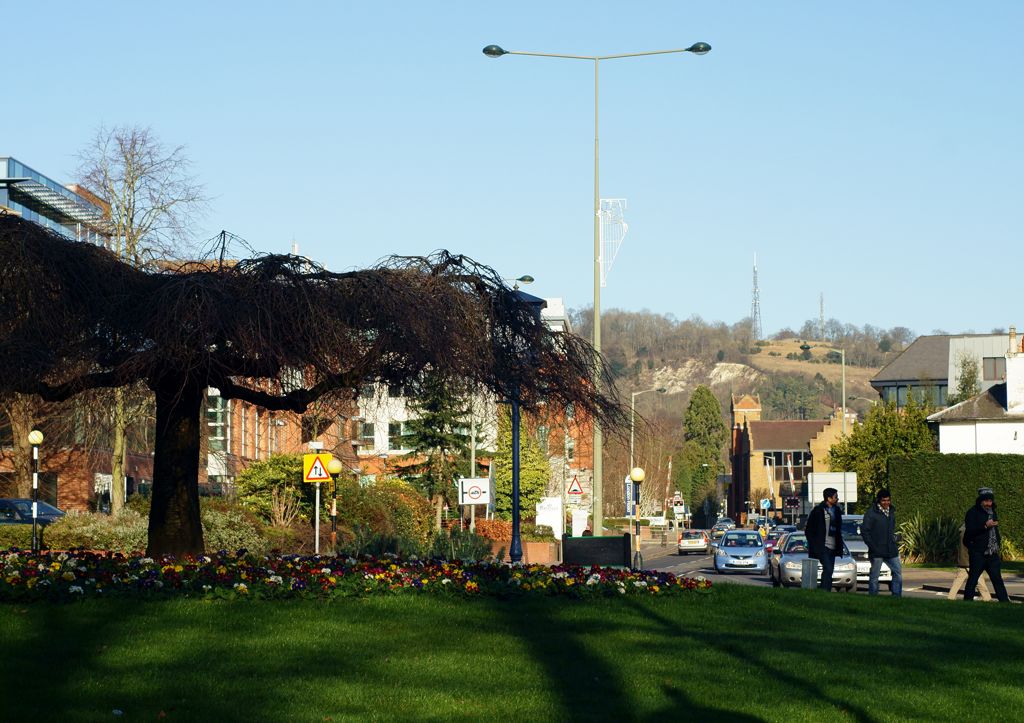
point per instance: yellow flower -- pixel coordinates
(31, 582)
(54, 565)
(178, 568)
(69, 576)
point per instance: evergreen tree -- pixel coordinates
(886, 432)
(437, 439)
(704, 437)
(967, 384)
(534, 470)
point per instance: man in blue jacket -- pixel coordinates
(824, 530)
(879, 533)
(981, 538)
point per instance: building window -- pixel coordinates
(397, 430)
(570, 449)
(216, 423)
(366, 434)
(542, 438)
(993, 368)
(258, 441)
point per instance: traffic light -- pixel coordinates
(792, 503)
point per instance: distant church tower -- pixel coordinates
(755, 308)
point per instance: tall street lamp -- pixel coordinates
(35, 438)
(632, 416)
(495, 51)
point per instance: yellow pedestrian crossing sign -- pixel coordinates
(314, 467)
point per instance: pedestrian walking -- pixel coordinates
(981, 537)
(879, 533)
(824, 530)
(963, 563)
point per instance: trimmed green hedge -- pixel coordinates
(19, 536)
(945, 485)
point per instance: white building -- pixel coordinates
(993, 421)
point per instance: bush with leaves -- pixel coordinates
(231, 530)
(257, 484)
(456, 544)
(929, 539)
(19, 536)
(124, 532)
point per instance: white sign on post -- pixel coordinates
(549, 512)
(474, 491)
(844, 482)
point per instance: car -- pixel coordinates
(721, 527)
(771, 540)
(783, 529)
(741, 550)
(693, 541)
(859, 549)
(16, 511)
(786, 564)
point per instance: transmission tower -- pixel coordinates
(755, 308)
(821, 315)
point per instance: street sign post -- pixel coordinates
(314, 471)
(474, 491)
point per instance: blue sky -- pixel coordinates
(869, 151)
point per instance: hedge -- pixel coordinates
(946, 485)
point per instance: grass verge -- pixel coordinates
(736, 654)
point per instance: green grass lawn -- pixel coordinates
(736, 654)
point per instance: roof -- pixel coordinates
(926, 359)
(745, 401)
(784, 434)
(990, 404)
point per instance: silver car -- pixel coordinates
(859, 550)
(786, 564)
(741, 551)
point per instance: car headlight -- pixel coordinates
(722, 553)
(760, 553)
(792, 565)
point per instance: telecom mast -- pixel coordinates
(755, 308)
(821, 315)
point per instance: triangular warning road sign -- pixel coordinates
(575, 488)
(317, 470)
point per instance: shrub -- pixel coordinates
(536, 533)
(933, 539)
(19, 536)
(125, 532)
(497, 530)
(946, 485)
(231, 530)
(456, 544)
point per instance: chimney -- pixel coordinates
(1014, 376)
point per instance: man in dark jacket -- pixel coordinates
(981, 538)
(824, 530)
(879, 533)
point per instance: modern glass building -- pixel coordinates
(42, 200)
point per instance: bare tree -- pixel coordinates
(151, 200)
(75, 316)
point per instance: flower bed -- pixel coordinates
(68, 576)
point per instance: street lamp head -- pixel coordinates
(696, 49)
(637, 474)
(495, 51)
(805, 347)
(334, 466)
(35, 437)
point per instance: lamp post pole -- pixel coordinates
(494, 51)
(632, 416)
(35, 438)
(334, 469)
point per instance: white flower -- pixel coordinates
(207, 588)
(62, 556)
(41, 567)
(325, 570)
(446, 581)
(158, 583)
(594, 579)
(275, 580)
(241, 587)
(146, 561)
(622, 590)
(639, 583)
(75, 589)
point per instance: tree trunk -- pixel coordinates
(19, 412)
(117, 456)
(438, 510)
(174, 523)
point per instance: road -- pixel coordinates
(917, 582)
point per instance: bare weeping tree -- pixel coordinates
(75, 317)
(151, 198)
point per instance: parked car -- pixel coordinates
(786, 564)
(741, 550)
(859, 549)
(15, 511)
(693, 541)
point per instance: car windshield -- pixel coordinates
(851, 530)
(749, 540)
(796, 545)
(24, 508)
(693, 535)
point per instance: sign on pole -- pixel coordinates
(575, 488)
(474, 491)
(314, 467)
(844, 482)
(766, 504)
(629, 493)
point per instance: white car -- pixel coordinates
(693, 541)
(859, 551)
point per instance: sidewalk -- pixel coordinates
(936, 580)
